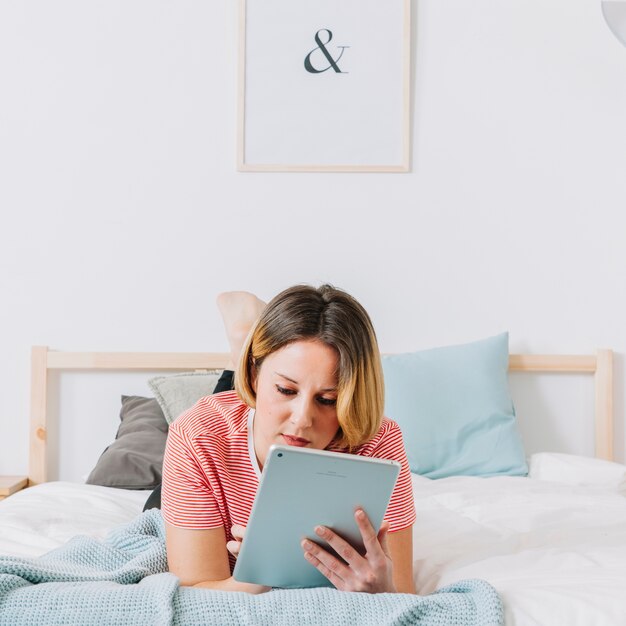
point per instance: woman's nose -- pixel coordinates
(302, 414)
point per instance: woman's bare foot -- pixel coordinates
(239, 310)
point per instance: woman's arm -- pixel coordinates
(200, 559)
(401, 550)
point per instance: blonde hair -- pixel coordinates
(335, 318)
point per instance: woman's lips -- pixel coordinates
(290, 440)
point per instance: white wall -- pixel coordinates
(123, 216)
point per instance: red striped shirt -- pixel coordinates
(211, 474)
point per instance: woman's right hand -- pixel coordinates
(234, 545)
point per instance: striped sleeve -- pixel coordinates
(389, 444)
(187, 500)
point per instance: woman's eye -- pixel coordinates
(327, 401)
(285, 391)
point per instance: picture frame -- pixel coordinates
(324, 86)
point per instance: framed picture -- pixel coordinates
(324, 85)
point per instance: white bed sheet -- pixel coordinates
(553, 544)
(38, 519)
(555, 549)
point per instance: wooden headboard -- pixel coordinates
(43, 360)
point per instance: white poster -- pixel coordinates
(324, 85)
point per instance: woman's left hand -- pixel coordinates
(234, 545)
(372, 572)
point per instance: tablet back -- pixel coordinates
(300, 489)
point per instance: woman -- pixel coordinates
(308, 374)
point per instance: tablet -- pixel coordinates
(301, 488)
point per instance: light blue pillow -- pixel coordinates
(455, 410)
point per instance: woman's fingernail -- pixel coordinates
(307, 545)
(360, 513)
(320, 530)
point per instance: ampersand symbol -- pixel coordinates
(321, 45)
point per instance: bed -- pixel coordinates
(551, 543)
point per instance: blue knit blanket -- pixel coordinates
(124, 580)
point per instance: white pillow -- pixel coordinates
(571, 469)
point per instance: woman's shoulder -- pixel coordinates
(388, 440)
(221, 414)
(388, 427)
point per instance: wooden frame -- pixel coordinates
(43, 360)
(11, 484)
(293, 132)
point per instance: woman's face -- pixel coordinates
(296, 397)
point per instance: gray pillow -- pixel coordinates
(134, 460)
(177, 392)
